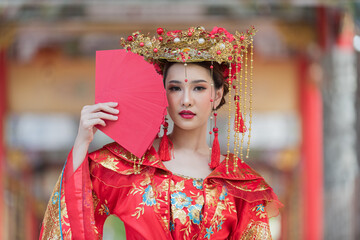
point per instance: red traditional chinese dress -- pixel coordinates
(156, 204)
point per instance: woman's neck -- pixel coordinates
(193, 140)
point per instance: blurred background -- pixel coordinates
(306, 102)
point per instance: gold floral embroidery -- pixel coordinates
(152, 159)
(163, 187)
(146, 181)
(106, 159)
(123, 153)
(95, 199)
(110, 162)
(256, 231)
(178, 187)
(200, 199)
(179, 214)
(149, 199)
(64, 213)
(186, 229)
(219, 208)
(223, 203)
(249, 186)
(186, 207)
(51, 226)
(104, 209)
(149, 194)
(260, 211)
(211, 192)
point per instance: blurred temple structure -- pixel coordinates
(306, 126)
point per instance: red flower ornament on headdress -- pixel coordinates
(233, 71)
(217, 30)
(173, 34)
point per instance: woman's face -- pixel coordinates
(190, 101)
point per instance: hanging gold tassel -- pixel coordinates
(250, 95)
(229, 121)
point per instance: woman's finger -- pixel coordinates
(112, 104)
(106, 107)
(102, 115)
(92, 122)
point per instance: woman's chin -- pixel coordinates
(188, 126)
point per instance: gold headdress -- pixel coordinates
(196, 45)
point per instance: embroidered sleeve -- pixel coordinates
(51, 226)
(253, 222)
(74, 201)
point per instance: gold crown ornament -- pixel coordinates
(192, 45)
(195, 44)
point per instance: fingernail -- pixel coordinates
(116, 117)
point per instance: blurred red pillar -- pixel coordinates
(312, 154)
(3, 76)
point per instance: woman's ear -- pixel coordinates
(218, 96)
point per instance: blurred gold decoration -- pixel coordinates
(297, 35)
(288, 159)
(7, 34)
(17, 159)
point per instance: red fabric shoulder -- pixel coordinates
(245, 183)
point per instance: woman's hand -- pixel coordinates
(91, 116)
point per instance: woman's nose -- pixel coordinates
(187, 99)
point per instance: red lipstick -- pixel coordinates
(187, 114)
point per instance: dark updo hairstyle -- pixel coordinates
(218, 76)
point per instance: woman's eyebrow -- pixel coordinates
(174, 81)
(193, 81)
(199, 81)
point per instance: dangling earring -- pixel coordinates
(166, 146)
(215, 150)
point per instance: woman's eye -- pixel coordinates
(174, 88)
(199, 88)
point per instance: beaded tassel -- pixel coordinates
(229, 122)
(137, 163)
(245, 100)
(212, 107)
(236, 119)
(239, 124)
(166, 145)
(239, 143)
(250, 95)
(132, 158)
(215, 153)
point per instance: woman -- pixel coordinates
(183, 198)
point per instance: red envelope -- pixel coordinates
(126, 78)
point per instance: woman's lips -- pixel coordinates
(187, 114)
